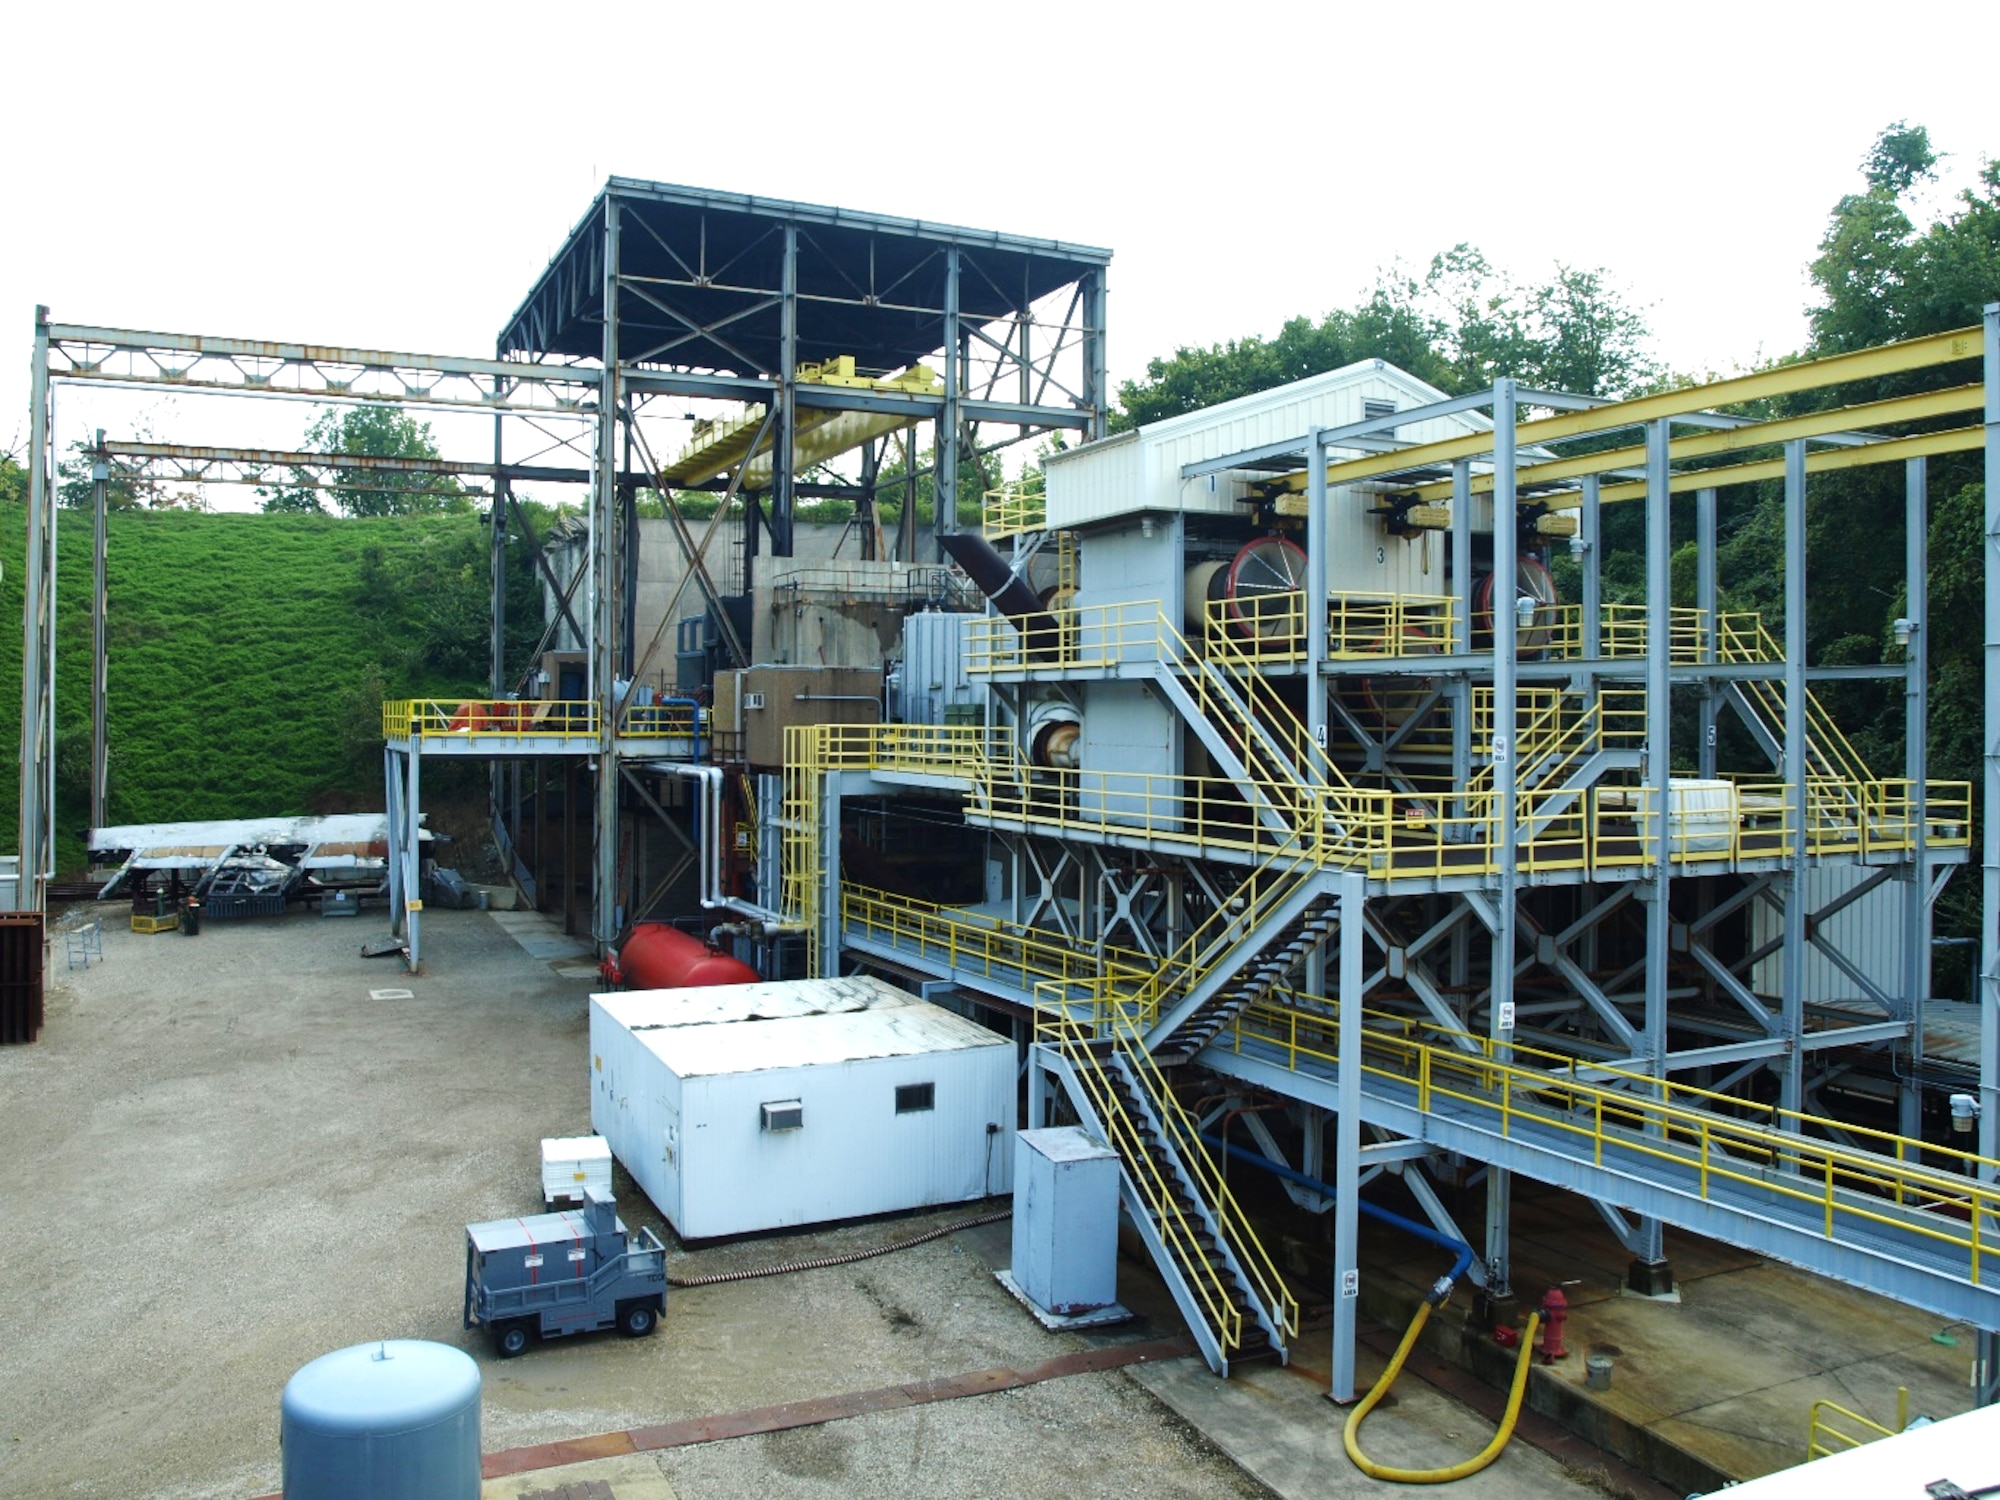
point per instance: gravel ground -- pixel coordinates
(1084, 1436)
(224, 1158)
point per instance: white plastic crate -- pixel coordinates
(572, 1163)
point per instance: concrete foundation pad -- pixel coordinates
(1097, 1317)
(539, 936)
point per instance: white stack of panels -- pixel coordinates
(572, 1164)
(751, 1107)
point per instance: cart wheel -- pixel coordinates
(513, 1340)
(636, 1321)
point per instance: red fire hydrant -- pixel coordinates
(1555, 1312)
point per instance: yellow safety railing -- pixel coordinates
(1618, 1116)
(432, 718)
(973, 942)
(1822, 1437)
(1622, 631)
(1095, 636)
(1113, 1025)
(437, 718)
(1013, 509)
(1745, 638)
(1389, 835)
(969, 751)
(1217, 813)
(801, 862)
(1360, 626)
(746, 831)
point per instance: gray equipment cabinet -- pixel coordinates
(552, 1274)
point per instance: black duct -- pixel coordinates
(1010, 594)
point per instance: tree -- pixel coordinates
(77, 489)
(375, 431)
(1457, 324)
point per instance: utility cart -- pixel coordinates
(572, 1272)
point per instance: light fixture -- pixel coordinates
(1904, 628)
(1964, 1111)
(1578, 546)
(1524, 609)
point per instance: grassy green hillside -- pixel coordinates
(249, 655)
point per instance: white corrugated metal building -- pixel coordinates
(1141, 470)
(759, 1106)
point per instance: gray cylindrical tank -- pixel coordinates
(395, 1420)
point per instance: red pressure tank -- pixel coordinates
(659, 957)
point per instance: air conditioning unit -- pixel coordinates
(785, 1114)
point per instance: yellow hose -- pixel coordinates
(1471, 1465)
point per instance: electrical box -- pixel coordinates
(755, 706)
(1065, 1220)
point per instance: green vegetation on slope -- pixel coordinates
(249, 655)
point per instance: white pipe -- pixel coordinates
(709, 861)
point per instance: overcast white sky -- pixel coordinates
(397, 175)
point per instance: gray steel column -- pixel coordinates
(829, 894)
(497, 681)
(1347, 1137)
(944, 481)
(1038, 1092)
(1986, 1366)
(1791, 1090)
(497, 643)
(1461, 626)
(784, 442)
(413, 858)
(100, 749)
(1589, 526)
(37, 630)
(1649, 1255)
(1499, 1228)
(1916, 768)
(392, 804)
(1659, 734)
(1096, 382)
(1506, 758)
(1506, 588)
(1708, 594)
(603, 615)
(1316, 589)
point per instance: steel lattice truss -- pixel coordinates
(313, 372)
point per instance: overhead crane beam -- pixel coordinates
(1736, 439)
(1838, 369)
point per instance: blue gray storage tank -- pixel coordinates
(394, 1420)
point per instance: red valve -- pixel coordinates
(1555, 1312)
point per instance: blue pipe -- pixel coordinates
(1382, 1215)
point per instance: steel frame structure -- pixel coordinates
(711, 296)
(1512, 954)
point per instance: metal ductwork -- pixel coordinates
(1010, 593)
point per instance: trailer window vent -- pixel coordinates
(753, 700)
(1370, 410)
(785, 1114)
(914, 1098)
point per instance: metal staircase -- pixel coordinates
(1220, 1275)
(1835, 770)
(1188, 1028)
